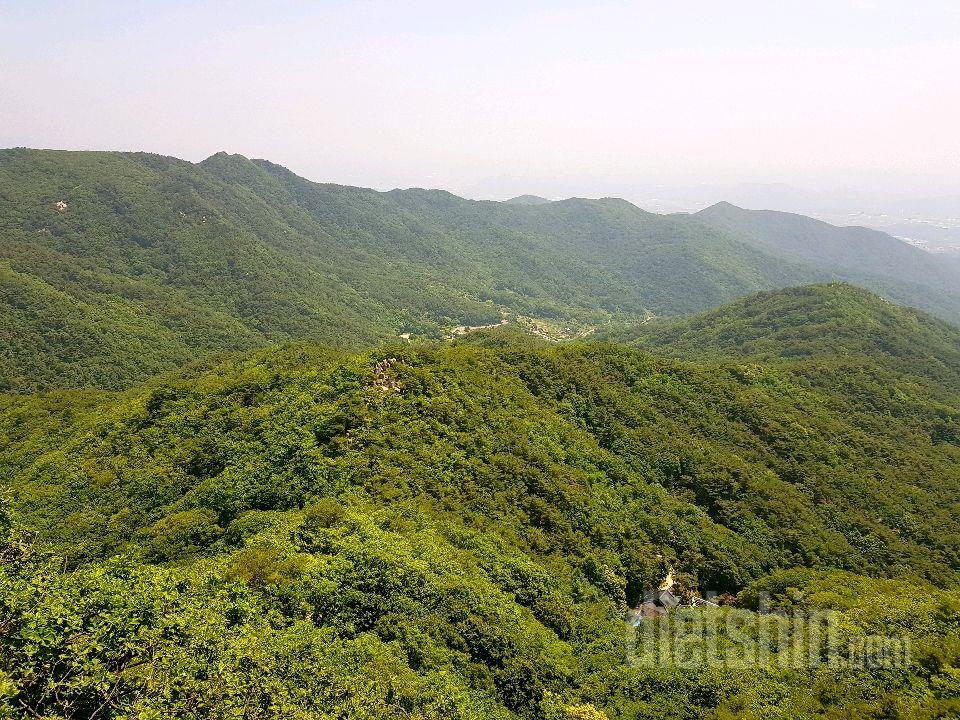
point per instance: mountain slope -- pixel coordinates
(457, 530)
(836, 321)
(231, 254)
(116, 265)
(865, 257)
(266, 431)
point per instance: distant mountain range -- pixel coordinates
(114, 266)
(859, 255)
(932, 223)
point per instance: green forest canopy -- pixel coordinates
(457, 529)
(117, 266)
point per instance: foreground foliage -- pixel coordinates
(292, 533)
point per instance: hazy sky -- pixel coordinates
(573, 97)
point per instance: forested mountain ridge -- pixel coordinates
(380, 530)
(527, 200)
(455, 530)
(114, 266)
(643, 409)
(150, 261)
(835, 321)
(865, 257)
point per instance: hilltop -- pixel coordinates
(457, 530)
(527, 200)
(837, 321)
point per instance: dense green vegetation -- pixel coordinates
(152, 262)
(818, 321)
(456, 530)
(373, 529)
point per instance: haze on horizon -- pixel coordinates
(501, 98)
